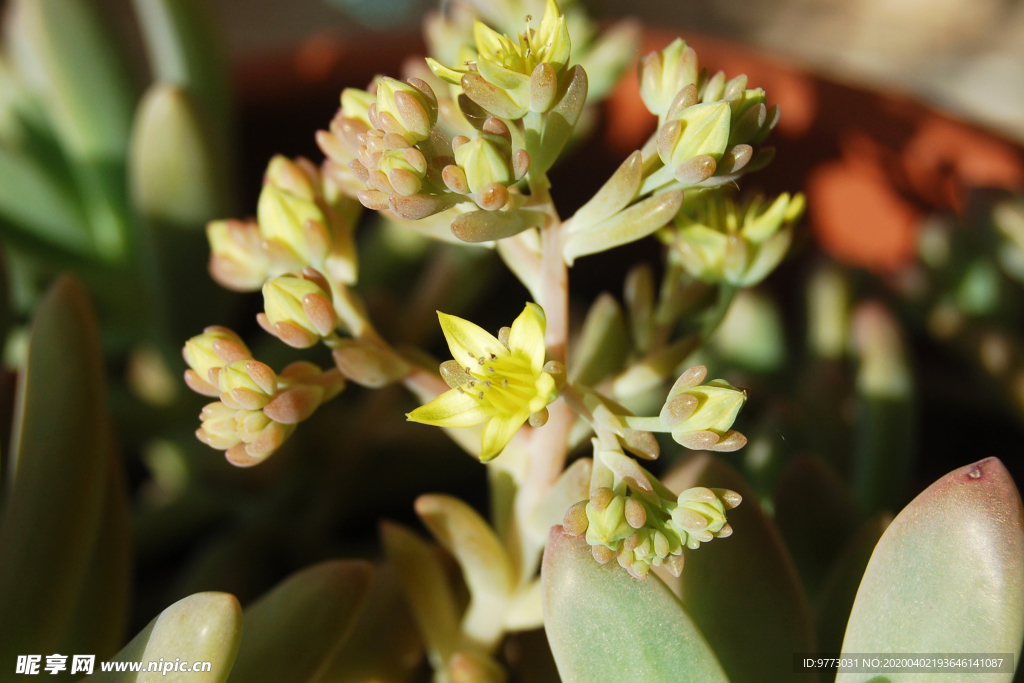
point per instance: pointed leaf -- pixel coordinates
(292, 632)
(614, 195)
(749, 577)
(59, 469)
(604, 625)
(946, 576)
(633, 224)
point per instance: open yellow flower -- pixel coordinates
(500, 382)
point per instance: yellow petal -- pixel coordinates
(527, 335)
(488, 41)
(451, 409)
(546, 392)
(498, 432)
(469, 342)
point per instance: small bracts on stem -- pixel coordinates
(633, 518)
(718, 240)
(258, 408)
(500, 382)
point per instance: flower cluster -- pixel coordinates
(257, 409)
(700, 416)
(500, 382)
(303, 220)
(643, 529)
(719, 240)
(707, 127)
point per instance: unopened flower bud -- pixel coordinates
(219, 429)
(486, 159)
(237, 258)
(355, 104)
(247, 384)
(608, 526)
(405, 110)
(709, 424)
(211, 351)
(663, 74)
(700, 130)
(290, 219)
(298, 310)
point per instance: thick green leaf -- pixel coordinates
(560, 122)
(64, 51)
(205, 627)
(59, 467)
(947, 575)
(614, 195)
(636, 222)
(99, 623)
(604, 625)
(292, 633)
(40, 205)
(185, 49)
(384, 646)
(176, 177)
(833, 605)
(743, 591)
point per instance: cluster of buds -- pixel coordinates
(298, 309)
(510, 79)
(718, 240)
(707, 126)
(395, 159)
(643, 529)
(257, 409)
(303, 220)
(485, 165)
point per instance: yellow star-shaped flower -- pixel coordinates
(500, 382)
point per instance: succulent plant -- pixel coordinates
(747, 557)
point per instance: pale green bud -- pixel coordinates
(608, 526)
(355, 104)
(699, 416)
(699, 515)
(405, 169)
(702, 129)
(486, 159)
(289, 216)
(663, 74)
(404, 109)
(247, 384)
(298, 310)
(207, 353)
